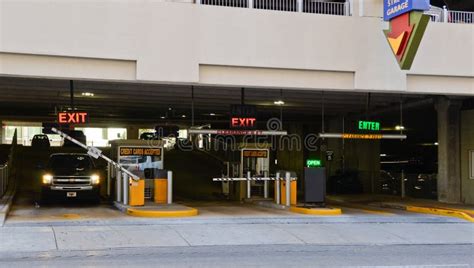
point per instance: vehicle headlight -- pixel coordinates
(95, 179)
(47, 178)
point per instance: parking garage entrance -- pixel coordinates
(371, 145)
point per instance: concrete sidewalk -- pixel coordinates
(67, 238)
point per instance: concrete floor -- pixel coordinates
(27, 212)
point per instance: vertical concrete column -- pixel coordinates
(132, 133)
(449, 167)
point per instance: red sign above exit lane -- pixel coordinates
(72, 117)
(238, 122)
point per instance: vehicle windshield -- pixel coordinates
(70, 162)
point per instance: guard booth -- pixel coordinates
(254, 162)
(144, 159)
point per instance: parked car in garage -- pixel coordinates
(71, 176)
(40, 141)
(345, 182)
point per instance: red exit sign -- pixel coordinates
(239, 122)
(72, 117)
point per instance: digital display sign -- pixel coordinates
(243, 116)
(139, 151)
(362, 136)
(255, 153)
(72, 117)
(313, 163)
(369, 125)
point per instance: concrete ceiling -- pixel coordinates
(27, 99)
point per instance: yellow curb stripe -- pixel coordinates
(442, 212)
(468, 211)
(369, 211)
(162, 213)
(318, 211)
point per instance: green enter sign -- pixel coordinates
(369, 125)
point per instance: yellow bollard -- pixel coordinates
(161, 191)
(292, 192)
(137, 193)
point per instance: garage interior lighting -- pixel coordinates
(162, 117)
(279, 102)
(183, 116)
(87, 94)
(398, 127)
(212, 114)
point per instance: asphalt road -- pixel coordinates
(457, 255)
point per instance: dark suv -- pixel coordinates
(71, 176)
(40, 141)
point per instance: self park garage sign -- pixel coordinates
(407, 26)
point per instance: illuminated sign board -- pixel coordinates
(395, 8)
(72, 117)
(407, 25)
(362, 136)
(255, 153)
(238, 122)
(313, 163)
(369, 125)
(140, 151)
(243, 116)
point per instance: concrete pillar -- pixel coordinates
(132, 133)
(449, 169)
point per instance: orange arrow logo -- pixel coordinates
(396, 43)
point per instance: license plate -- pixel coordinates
(71, 194)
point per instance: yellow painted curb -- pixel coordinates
(162, 213)
(442, 212)
(318, 211)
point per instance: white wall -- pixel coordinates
(158, 41)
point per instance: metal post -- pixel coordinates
(118, 185)
(109, 177)
(445, 14)
(299, 8)
(250, 3)
(288, 189)
(403, 183)
(347, 10)
(277, 197)
(170, 187)
(198, 2)
(249, 186)
(265, 185)
(125, 188)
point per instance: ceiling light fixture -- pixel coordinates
(212, 114)
(183, 116)
(279, 102)
(87, 94)
(399, 127)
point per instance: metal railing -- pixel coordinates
(460, 17)
(306, 6)
(4, 179)
(450, 16)
(225, 3)
(328, 8)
